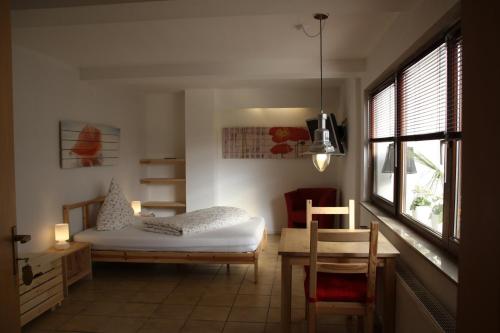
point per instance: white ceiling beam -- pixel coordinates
(128, 11)
(265, 69)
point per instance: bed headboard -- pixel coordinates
(85, 206)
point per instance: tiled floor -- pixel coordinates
(182, 298)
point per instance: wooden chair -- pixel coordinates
(310, 211)
(342, 287)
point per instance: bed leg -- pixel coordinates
(256, 270)
(227, 268)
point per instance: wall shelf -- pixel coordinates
(163, 204)
(174, 175)
(162, 161)
(162, 180)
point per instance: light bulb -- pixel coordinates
(321, 161)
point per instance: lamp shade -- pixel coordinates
(62, 232)
(388, 166)
(136, 206)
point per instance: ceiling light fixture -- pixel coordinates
(321, 148)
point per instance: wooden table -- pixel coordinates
(294, 250)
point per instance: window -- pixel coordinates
(383, 115)
(415, 141)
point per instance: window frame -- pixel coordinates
(446, 239)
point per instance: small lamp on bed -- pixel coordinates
(62, 236)
(136, 206)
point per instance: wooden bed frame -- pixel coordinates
(164, 256)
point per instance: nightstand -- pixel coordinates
(76, 263)
(46, 290)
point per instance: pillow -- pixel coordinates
(116, 212)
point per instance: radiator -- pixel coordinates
(430, 315)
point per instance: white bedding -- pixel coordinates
(198, 221)
(243, 237)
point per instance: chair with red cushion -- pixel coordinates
(296, 205)
(341, 287)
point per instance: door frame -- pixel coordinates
(9, 304)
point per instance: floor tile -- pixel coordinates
(137, 309)
(149, 297)
(103, 308)
(201, 326)
(182, 299)
(215, 313)
(82, 323)
(248, 314)
(70, 306)
(114, 295)
(255, 288)
(158, 325)
(49, 321)
(123, 325)
(236, 327)
(252, 300)
(217, 299)
(173, 311)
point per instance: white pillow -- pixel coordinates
(116, 212)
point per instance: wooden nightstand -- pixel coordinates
(46, 290)
(76, 263)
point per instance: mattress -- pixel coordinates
(243, 237)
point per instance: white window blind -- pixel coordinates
(458, 83)
(423, 95)
(383, 113)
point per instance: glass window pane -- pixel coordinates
(383, 176)
(423, 183)
(458, 190)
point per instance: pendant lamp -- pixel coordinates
(321, 148)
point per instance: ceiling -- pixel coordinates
(195, 41)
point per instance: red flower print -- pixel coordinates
(280, 134)
(282, 148)
(88, 147)
(299, 134)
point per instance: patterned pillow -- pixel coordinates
(116, 212)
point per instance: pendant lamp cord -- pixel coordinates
(321, 62)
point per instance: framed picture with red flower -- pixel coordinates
(265, 142)
(87, 145)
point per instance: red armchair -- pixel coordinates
(296, 206)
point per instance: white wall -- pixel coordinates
(45, 92)
(200, 148)
(347, 167)
(259, 185)
(164, 137)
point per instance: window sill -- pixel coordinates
(433, 254)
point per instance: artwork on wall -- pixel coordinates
(86, 145)
(264, 142)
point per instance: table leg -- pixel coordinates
(389, 295)
(286, 294)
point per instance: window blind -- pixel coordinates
(422, 92)
(457, 83)
(383, 113)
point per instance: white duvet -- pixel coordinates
(197, 221)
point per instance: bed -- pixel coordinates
(237, 244)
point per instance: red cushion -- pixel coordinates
(332, 287)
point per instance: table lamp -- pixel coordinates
(62, 236)
(136, 206)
